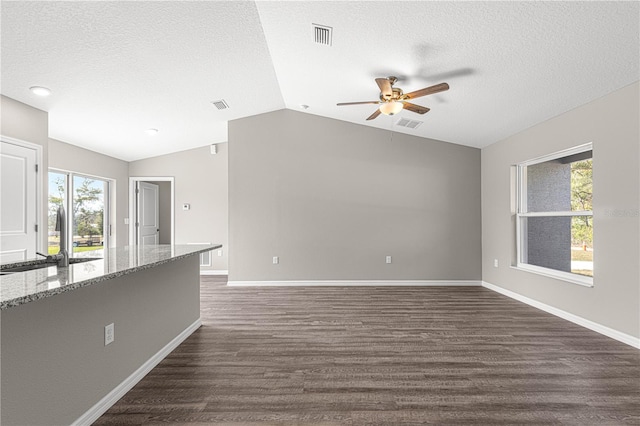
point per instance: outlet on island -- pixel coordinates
(109, 334)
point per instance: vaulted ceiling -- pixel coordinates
(116, 69)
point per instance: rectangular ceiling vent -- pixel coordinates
(411, 124)
(322, 34)
(221, 104)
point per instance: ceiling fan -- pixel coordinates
(393, 100)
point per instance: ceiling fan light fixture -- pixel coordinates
(391, 108)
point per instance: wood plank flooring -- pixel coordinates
(383, 355)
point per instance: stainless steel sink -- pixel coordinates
(25, 268)
(83, 259)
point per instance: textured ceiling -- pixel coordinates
(118, 68)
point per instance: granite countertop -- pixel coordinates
(18, 288)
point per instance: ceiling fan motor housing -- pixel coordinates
(395, 95)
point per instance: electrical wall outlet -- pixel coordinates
(388, 259)
(495, 263)
(109, 334)
(276, 260)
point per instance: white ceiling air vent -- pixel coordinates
(322, 34)
(221, 104)
(411, 124)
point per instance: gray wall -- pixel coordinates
(200, 180)
(612, 124)
(55, 366)
(75, 159)
(20, 121)
(332, 199)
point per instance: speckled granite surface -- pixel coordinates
(23, 287)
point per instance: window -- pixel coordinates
(554, 223)
(87, 212)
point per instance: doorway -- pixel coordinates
(20, 206)
(151, 210)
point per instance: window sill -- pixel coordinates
(562, 276)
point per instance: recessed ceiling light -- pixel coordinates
(151, 132)
(40, 91)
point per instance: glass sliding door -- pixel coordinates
(87, 212)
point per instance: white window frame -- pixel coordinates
(521, 213)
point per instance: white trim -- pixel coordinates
(81, 174)
(132, 204)
(568, 277)
(594, 326)
(347, 283)
(557, 214)
(559, 154)
(119, 391)
(214, 272)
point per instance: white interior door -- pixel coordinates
(18, 186)
(148, 219)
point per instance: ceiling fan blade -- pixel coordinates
(427, 91)
(385, 86)
(358, 103)
(415, 108)
(374, 115)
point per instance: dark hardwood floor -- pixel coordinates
(383, 355)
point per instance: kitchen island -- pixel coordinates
(56, 367)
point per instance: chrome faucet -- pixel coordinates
(62, 258)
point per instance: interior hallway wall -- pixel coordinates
(612, 124)
(200, 180)
(332, 199)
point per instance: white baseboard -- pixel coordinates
(214, 272)
(118, 392)
(599, 328)
(347, 283)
